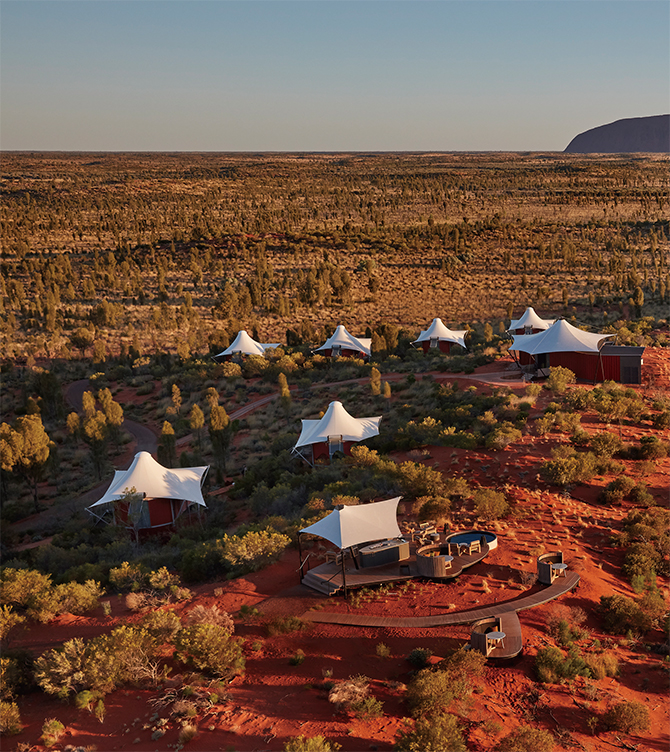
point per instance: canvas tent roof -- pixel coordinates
(342, 338)
(155, 481)
(337, 422)
(531, 319)
(560, 337)
(352, 525)
(244, 344)
(440, 331)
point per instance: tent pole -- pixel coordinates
(344, 577)
(595, 378)
(300, 556)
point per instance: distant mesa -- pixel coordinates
(642, 134)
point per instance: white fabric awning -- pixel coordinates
(337, 422)
(531, 319)
(342, 338)
(438, 330)
(244, 344)
(352, 525)
(560, 337)
(150, 478)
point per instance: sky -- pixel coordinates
(326, 75)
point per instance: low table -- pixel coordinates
(385, 552)
(559, 568)
(497, 637)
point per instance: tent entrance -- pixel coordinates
(335, 444)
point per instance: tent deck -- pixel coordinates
(327, 578)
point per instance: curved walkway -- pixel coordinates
(506, 612)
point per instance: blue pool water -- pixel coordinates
(470, 537)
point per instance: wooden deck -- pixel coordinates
(327, 578)
(507, 613)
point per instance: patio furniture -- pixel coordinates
(494, 640)
(384, 552)
(475, 546)
(559, 569)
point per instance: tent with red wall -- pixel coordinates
(243, 344)
(439, 336)
(529, 323)
(345, 345)
(336, 431)
(148, 495)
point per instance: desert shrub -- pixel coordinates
(10, 718)
(210, 615)
(101, 664)
(490, 504)
(52, 730)
(602, 665)
(527, 739)
(439, 733)
(661, 420)
(559, 379)
(573, 467)
(77, 598)
(641, 559)
(350, 694)
(8, 620)
(621, 615)
(285, 625)
(502, 436)
(470, 663)
(431, 692)
(252, 551)
(16, 673)
(605, 444)
(433, 508)
(232, 370)
(544, 424)
(382, 650)
(210, 648)
(577, 399)
(551, 666)
(187, 732)
(616, 491)
(128, 576)
(31, 591)
(310, 744)
(628, 717)
(298, 658)
(419, 657)
(567, 422)
(565, 633)
(163, 625)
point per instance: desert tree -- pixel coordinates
(25, 447)
(220, 434)
(167, 446)
(196, 420)
(375, 381)
(82, 339)
(284, 394)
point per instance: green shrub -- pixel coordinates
(605, 444)
(490, 504)
(621, 615)
(616, 491)
(419, 657)
(10, 718)
(551, 667)
(285, 625)
(8, 620)
(433, 508)
(432, 692)
(642, 560)
(310, 744)
(628, 717)
(559, 379)
(76, 598)
(527, 739)
(297, 658)
(439, 733)
(602, 665)
(52, 730)
(502, 436)
(163, 625)
(210, 648)
(382, 650)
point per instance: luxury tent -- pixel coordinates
(335, 432)
(529, 323)
(243, 344)
(439, 336)
(349, 526)
(564, 345)
(163, 494)
(343, 344)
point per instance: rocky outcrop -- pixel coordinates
(643, 134)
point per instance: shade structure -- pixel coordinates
(440, 332)
(559, 337)
(352, 525)
(530, 320)
(337, 422)
(343, 342)
(150, 478)
(245, 345)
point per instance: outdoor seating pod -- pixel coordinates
(550, 566)
(434, 560)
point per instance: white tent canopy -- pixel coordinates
(342, 339)
(245, 345)
(438, 330)
(560, 337)
(530, 319)
(352, 525)
(337, 422)
(154, 481)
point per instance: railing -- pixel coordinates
(302, 564)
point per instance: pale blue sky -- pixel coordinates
(326, 75)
